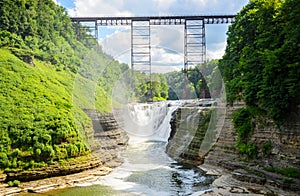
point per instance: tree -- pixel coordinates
(262, 57)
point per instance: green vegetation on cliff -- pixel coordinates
(262, 61)
(47, 76)
(261, 66)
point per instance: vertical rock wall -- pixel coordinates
(188, 126)
(188, 129)
(284, 142)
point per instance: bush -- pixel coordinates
(4, 162)
(247, 148)
(242, 122)
(15, 183)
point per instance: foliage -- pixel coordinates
(243, 121)
(247, 148)
(44, 72)
(15, 183)
(267, 148)
(287, 180)
(261, 62)
(201, 81)
(148, 89)
(36, 113)
(288, 172)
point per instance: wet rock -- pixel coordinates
(42, 188)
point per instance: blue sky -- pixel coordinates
(116, 40)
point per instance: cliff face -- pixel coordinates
(282, 143)
(278, 147)
(188, 129)
(108, 138)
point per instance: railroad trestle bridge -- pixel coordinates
(194, 34)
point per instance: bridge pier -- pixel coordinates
(194, 43)
(141, 45)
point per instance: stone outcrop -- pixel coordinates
(54, 170)
(278, 147)
(284, 152)
(108, 139)
(224, 151)
(284, 144)
(188, 129)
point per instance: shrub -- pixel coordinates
(247, 148)
(15, 183)
(242, 120)
(4, 162)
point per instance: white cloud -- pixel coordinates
(99, 8)
(154, 7)
(118, 45)
(217, 52)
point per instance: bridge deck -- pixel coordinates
(155, 20)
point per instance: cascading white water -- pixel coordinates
(147, 121)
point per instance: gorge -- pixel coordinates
(71, 116)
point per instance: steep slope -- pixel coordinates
(47, 77)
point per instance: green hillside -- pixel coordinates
(47, 77)
(37, 123)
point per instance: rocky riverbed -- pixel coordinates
(228, 184)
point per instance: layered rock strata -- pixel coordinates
(284, 152)
(108, 138)
(283, 143)
(188, 130)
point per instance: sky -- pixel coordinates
(167, 42)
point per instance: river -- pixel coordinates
(147, 169)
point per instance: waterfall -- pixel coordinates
(147, 121)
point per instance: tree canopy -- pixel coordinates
(261, 64)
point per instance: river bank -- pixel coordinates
(227, 184)
(59, 182)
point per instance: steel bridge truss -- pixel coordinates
(194, 35)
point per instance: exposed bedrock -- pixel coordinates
(108, 138)
(188, 126)
(188, 129)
